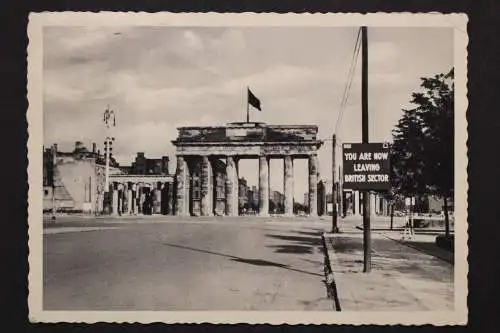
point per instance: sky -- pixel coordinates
(159, 78)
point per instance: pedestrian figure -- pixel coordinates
(408, 227)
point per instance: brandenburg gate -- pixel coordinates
(207, 165)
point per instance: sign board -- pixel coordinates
(366, 166)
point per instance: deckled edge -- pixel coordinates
(457, 21)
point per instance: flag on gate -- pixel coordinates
(253, 101)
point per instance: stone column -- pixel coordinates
(124, 197)
(207, 208)
(134, 193)
(100, 203)
(377, 204)
(313, 185)
(236, 188)
(120, 198)
(138, 191)
(182, 197)
(157, 205)
(356, 205)
(114, 205)
(263, 186)
(170, 191)
(231, 189)
(139, 196)
(129, 199)
(288, 185)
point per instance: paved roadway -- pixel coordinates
(151, 264)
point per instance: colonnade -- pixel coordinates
(378, 204)
(183, 180)
(129, 198)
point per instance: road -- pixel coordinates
(225, 264)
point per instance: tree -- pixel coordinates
(436, 109)
(390, 197)
(408, 156)
(422, 155)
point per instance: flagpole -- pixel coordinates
(248, 117)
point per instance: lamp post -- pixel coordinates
(109, 121)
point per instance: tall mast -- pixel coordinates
(367, 266)
(248, 93)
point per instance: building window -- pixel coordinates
(46, 192)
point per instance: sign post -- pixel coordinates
(367, 240)
(366, 168)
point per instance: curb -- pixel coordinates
(437, 256)
(420, 230)
(331, 286)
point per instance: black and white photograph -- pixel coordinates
(247, 168)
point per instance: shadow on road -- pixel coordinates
(315, 233)
(260, 262)
(307, 240)
(296, 249)
(303, 244)
(249, 261)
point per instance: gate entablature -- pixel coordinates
(203, 145)
(248, 139)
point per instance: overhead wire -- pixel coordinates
(350, 77)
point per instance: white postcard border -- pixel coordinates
(35, 143)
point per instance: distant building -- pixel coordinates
(325, 197)
(243, 194)
(255, 196)
(277, 202)
(253, 199)
(149, 166)
(76, 180)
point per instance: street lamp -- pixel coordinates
(110, 121)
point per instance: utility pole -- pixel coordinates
(335, 228)
(341, 192)
(54, 161)
(367, 246)
(248, 102)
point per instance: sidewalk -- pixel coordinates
(402, 277)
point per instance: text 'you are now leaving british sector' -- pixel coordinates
(366, 166)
